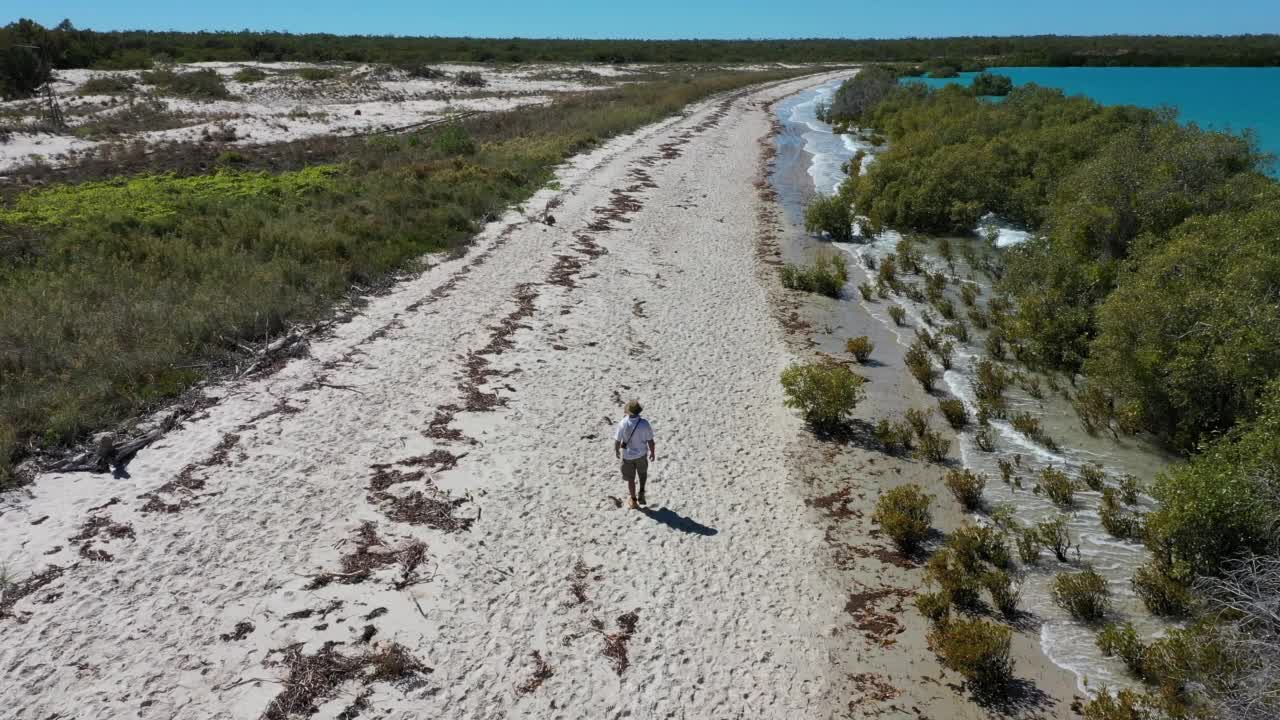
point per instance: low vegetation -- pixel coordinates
(954, 411)
(826, 276)
(192, 84)
(978, 650)
(825, 393)
(830, 216)
(1084, 594)
(903, 514)
(966, 486)
(860, 348)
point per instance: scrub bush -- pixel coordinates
(1057, 487)
(903, 514)
(898, 315)
(978, 650)
(1004, 596)
(954, 411)
(1164, 593)
(826, 276)
(921, 368)
(826, 393)
(1054, 535)
(895, 437)
(1122, 641)
(830, 215)
(966, 486)
(860, 348)
(1093, 476)
(1084, 595)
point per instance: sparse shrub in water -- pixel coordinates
(1054, 535)
(966, 486)
(927, 339)
(898, 314)
(1084, 595)
(887, 273)
(1115, 519)
(903, 514)
(826, 393)
(830, 215)
(1161, 593)
(1122, 641)
(921, 368)
(826, 276)
(969, 294)
(1028, 543)
(1130, 486)
(985, 439)
(860, 348)
(1004, 596)
(989, 384)
(454, 139)
(1093, 476)
(954, 411)
(978, 650)
(957, 330)
(976, 545)
(979, 319)
(1006, 470)
(867, 292)
(1057, 487)
(945, 353)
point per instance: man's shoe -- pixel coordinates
(631, 503)
(642, 502)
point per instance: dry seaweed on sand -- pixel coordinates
(311, 680)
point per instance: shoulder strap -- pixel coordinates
(627, 442)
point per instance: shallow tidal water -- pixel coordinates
(811, 159)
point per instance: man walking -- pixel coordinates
(630, 441)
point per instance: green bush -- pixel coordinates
(860, 348)
(932, 446)
(106, 85)
(895, 437)
(1123, 705)
(920, 366)
(934, 606)
(867, 292)
(1122, 641)
(1093, 476)
(978, 650)
(960, 584)
(903, 514)
(945, 354)
(249, 75)
(196, 84)
(985, 438)
(979, 545)
(1116, 520)
(312, 74)
(1053, 534)
(966, 486)
(826, 276)
(1057, 487)
(1028, 542)
(826, 393)
(454, 139)
(989, 385)
(954, 411)
(830, 215)
(987, 83)
(1004, 596)
(1163, 592)
(23, 71)
(1084, 595)
(1130, 486)
(898, 315)
(471, 79)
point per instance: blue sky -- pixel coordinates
(667, 18)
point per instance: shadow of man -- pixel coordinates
(676, 521)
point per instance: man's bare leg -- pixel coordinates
(631, 492)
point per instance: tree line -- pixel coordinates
(70, 47)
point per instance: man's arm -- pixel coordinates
(652, 450)
(617, 448)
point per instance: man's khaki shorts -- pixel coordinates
(631, 467)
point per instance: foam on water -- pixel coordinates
(1067, 643)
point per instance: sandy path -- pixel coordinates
(646, 285)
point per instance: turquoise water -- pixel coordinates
(1233, 99)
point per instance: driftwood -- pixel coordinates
(269, 352)
(109, 450)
